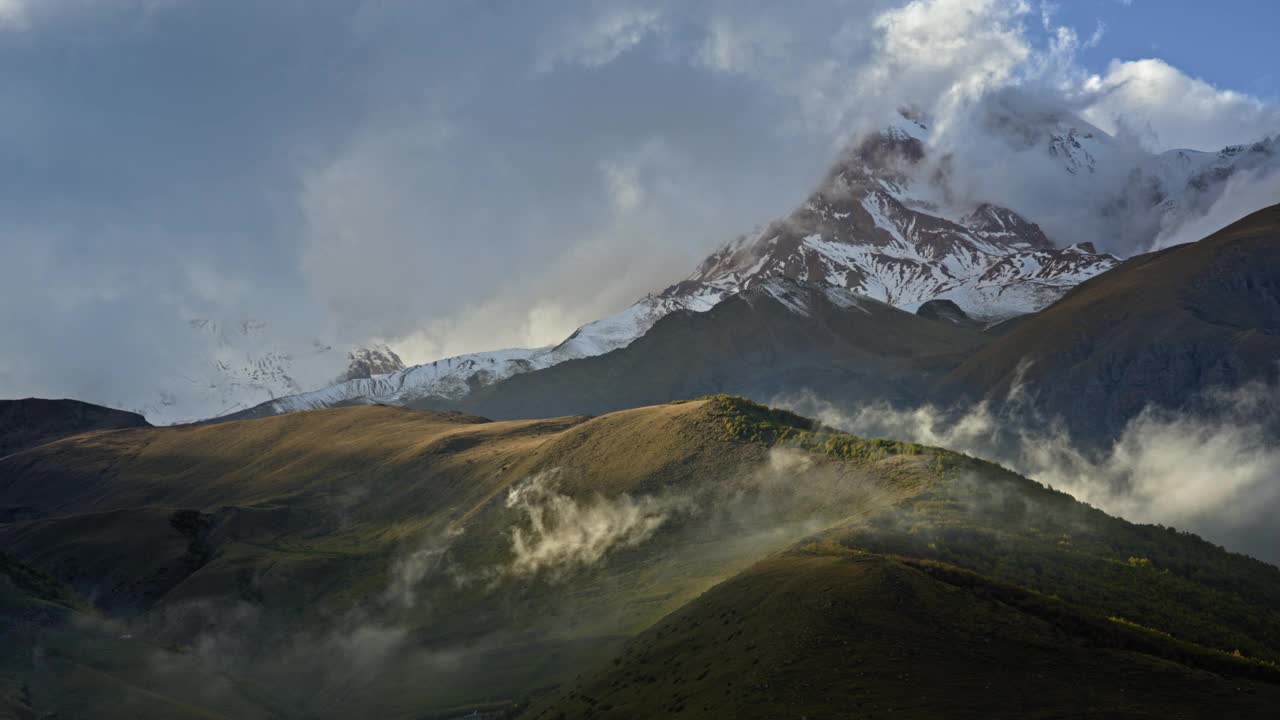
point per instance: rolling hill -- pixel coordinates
(386, 562)
(35, 421)
(834, 633)
(985, 595)
(371, 547)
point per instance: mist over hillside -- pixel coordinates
(638, 359)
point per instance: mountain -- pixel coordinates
(779, 337)
(872, 228)
(897, 219)
(368, 363)
(1081, 184)
(856, 234)
(982, 595)
(35, 421)
(1163, 329)
(231, 366)
(1184, 184)
(385, 562)
(237, 365)
(948, 312)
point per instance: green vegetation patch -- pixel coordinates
(748, 421)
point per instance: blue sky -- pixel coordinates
(453, 177)
(1230, 43)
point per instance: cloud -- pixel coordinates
(941, 48)
(1242, 194)
(518, 251)
(26, 14)
(409, 571)
(848, 68)
(593, 41)
(1213, 472)
(13, 14)
(1182, 111)
(460, 178)
(363, 210)
(564, 534)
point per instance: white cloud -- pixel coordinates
(1183, 112)
(560, 534)
(26, 14)
(1212, 473)
(599, 39)
(13, 14)
(444, 253)
(1244, 193)
(945, 46)
(465, 180)
(392, 205)
(366, 213)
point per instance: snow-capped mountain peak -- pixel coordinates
(867, 231)
(371, 362)
(884, 225)
(237, 365)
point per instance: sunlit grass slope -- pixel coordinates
(982, 595)
(337, 525)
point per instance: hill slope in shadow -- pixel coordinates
(1161, 329)
(780, 337)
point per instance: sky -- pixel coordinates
(1228, 44)
(456, 177)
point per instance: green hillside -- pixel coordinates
(984, 595)
(712, 557)
(374, 547)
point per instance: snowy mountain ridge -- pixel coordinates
(884, 224)
(239, 365)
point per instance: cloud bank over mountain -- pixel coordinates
(1212, 474)
(460, 178)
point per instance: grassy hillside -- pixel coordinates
(432, 560)
(58, 654)
(984, 595)
(35, 421)
(384, 562)
(828, 632)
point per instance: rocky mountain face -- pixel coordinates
(888, 222)
(866, 230)
(368, 363)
